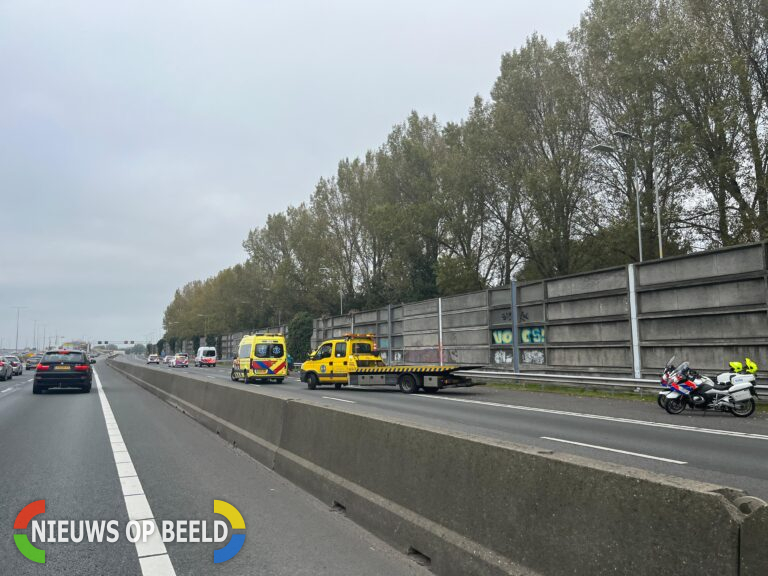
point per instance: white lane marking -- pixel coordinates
(30, 380)
(339, 400)
(153, 557)
(7, 390)
(599, 417)
(614, 450)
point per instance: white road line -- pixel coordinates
(7, 390)
(599, 417)
(614, 450)
(339, 400)
(153, 557)
(30, 380)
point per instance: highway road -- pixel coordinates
(705, 446)
(97, 456)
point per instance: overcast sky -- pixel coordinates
(141, 141)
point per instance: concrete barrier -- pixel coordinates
(476, 506)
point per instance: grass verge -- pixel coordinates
(590, 392)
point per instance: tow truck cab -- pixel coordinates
(334, 359)
(353, 360)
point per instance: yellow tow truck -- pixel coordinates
(353, 360)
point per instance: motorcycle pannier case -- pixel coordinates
(741, 395)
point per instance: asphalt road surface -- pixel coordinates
(706, 446)
(120, 450)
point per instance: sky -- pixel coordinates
(140, 141)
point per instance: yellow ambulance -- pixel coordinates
(261, 357)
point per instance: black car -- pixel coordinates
(63, 369)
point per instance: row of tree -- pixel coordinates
(647, 101)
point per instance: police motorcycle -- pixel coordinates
(732, 392)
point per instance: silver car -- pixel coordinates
(6, 369)
(16, 364)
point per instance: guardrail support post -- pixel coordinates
(440, 329)
(389, 334)
(636, 362)
(515, 330)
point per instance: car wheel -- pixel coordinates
(311, 381)
(87, 389)
(337, 385)
(36, 389)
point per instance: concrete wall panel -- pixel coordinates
(426, 323)
(590, 357)
(465, 301)
(588, 308)
(721, 263)
(466, 319)
(501, 316)
(745, 292)
(420, 308)
(500, 297)
(467, 337)
(587, 283)
(533, 313)
(530, 292)
(596, 332)
(420, 340)
(369, 316)
(702, 328)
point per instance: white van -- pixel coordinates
(206, 356)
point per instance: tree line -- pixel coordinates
(645, 100)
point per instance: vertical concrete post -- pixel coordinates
(389, 333)
(515, 335)
(352, 321)
(440, 329)
(636, 363)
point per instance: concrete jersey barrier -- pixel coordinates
(476, 506)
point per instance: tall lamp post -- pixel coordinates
(18, 313)
(608, 149)
(327, 272)
(205, 329)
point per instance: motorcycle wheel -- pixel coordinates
(662, 400)
(674, 405)
(744, 409)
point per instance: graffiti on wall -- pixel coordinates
(532, 335)
(532, 356)
(503, 356)
(502, 336)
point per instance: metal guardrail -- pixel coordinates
(633, 384)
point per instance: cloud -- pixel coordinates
(140, 141)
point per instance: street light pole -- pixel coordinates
(628, 136)
(327, 271)
(205, 328)
(18, 313)
(607, 149)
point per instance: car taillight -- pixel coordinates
(43, 367)
(82, 368)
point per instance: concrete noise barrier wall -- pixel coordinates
(480, 507)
